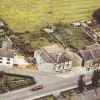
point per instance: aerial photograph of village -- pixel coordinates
(49, 49)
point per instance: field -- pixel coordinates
(30, 15)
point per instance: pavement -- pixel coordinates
(89, 95)
(52, 83)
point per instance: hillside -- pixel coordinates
(23, 15)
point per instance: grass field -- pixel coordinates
(23, 15)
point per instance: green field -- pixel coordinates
(23, 15)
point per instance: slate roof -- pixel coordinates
(52, 55)
(7, 44)
(96, 52)
(47, 57)
(90, 53)
(7, 53)
(62, 58)
(85, 54)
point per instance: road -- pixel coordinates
(52, 83)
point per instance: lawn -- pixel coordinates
(23, 15)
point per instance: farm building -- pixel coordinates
(90, 56)
(52, 58)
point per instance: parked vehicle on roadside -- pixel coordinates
(37, 87)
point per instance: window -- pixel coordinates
(8, 62)
(8, 59)
(0, 58)
(0, 61)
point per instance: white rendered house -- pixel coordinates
(52, 58)
(6, 57)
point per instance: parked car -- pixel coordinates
(37, 87)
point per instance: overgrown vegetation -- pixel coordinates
(13, 82)
(35, 39)
(49, 97)
(74, 38)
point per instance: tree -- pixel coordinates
(1, 74)
(2, 85)
(95, 80)
(81, 84)
(96, 15)
(96, 74)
